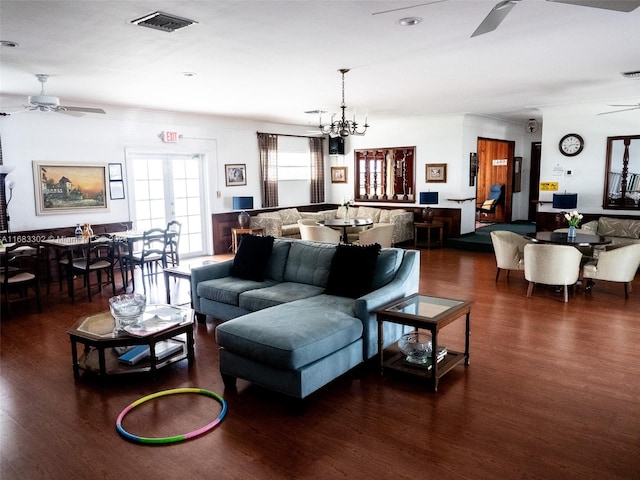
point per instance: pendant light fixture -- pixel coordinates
(343, 127)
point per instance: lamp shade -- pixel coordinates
(428, 198)
(565, 201)
(242, 203)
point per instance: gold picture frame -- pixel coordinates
(338, 174)
(69, 187)
(435, 172)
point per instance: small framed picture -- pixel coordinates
(115, 171)
(116, 190)
(338, 174)
(436, 172)
(235, 174)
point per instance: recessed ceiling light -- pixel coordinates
(9, 43)
(409, 21)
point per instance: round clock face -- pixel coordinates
(571, 144)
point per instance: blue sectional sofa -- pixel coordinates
(285, 331)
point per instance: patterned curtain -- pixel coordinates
(268, 150)
(316, 147)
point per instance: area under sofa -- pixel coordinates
(285, 332)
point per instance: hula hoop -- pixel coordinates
(174, 438)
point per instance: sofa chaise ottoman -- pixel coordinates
(296, 329)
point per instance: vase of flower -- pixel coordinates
(346, 204)
(573, 219)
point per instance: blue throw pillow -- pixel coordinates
(352, 269)
(252, 257)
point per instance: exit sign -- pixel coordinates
(170, 137)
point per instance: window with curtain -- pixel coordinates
(295, 161)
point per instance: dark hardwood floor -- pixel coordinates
(552, 392)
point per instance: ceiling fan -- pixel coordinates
(502, 8)
(500, 11)
(628, 107)
(49, 103)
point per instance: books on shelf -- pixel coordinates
(137, 353)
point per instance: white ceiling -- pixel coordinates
(274, 60)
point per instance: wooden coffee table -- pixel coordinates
(428, 313)
(100, 356)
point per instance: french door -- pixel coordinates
(168, 187)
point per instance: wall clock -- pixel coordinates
(571, 144)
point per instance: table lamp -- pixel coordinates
(428, 198)
(243, 203)
(565, 201)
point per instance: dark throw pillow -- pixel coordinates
(252, 257)
(352, 269)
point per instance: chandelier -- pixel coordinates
(343, 127)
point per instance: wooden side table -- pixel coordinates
(437, 226)
(238, 232)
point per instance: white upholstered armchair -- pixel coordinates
(551, 265)
(509, 250)
(617, 265)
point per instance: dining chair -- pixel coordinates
(20, 265)
(153, 256)
(319, 233)
(509, 251)
(380, 234)
(617, 265)
(551, 265)
(97, 257)
(172, 232)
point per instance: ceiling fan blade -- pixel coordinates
(407, 8)
(83, 109)
(623, 110)
(617, 5)
(495, 17)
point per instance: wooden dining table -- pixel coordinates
(69, 245)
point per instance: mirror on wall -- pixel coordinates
(385, 174)
(622, 179)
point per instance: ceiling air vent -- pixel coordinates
(163, 21)
(631, 74)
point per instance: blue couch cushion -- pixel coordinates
(284, 292)
(278, 260)
(228, 289)
(352, 269)
(291, 335)
(387, 266)
(309, 262)
(252, 257)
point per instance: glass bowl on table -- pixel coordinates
(416, 346)
(127, 310)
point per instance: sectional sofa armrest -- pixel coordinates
(272, 226)
(403, 226)
(405, 283)
(207, 272)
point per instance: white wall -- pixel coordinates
(587, 168)
(443, 139)
(37, 136)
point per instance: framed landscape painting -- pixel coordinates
(69, 187)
